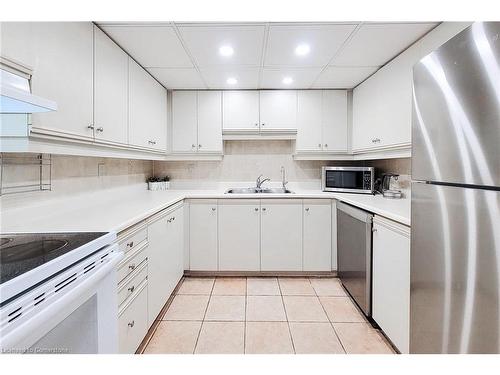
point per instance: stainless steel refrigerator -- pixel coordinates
(455, 208)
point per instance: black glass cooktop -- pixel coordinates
(20, 253)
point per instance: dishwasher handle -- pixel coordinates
(362, 215)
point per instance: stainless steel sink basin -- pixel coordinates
(256, 191)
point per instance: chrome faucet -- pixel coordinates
(259, 181)
(283, 177)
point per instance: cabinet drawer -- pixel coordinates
(132, 261)
(133, 321)
(131, 241)
(131, 284)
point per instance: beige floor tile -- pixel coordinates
(265, 309)
(230, 286)
(361, 338)
(221, 338)
(304, 309)
(263, 286)
(341, 310)
(315, 338)
(226, 308)
(296, 287)
(268, 338)
(328, 287)
(185, 307)
(196, 285)
(174, 338)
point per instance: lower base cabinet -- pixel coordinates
(281, 235)
(391, 280)
(133, 320)
(203, 235)
(317, 235)
(239, 235)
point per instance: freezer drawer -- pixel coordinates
(354, 253)
(455, 270)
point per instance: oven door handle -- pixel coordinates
(34, 328)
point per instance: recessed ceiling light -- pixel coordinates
(231, 81)
(287, 80)
(302, 49)
(226, 51)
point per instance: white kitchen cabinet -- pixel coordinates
(110, 90)
(382, 105)
(147, 110)
(317, 218)
(281, 235)
(322, 121)
(278, 110)
(197, 122)
(239, 235)
(203, 243)
(133, 320)
(60, 55)
(391, 280)
(334, 235)
(241, 111)
(210, 121)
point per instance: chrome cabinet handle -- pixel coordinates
(213, 208)
(130, 244)
(131, 289)
(132, 266)
(193, 145)
(374, 230)
(173, 218)
(152, 142)
(256, 124)
(307, 209)
(263, 208)
(91, 127)
(319, 145)
(375, 140)
(326, 144)
(100, 129)
(263, 124)
(199, 146)
(169, 220)
(131, 324)
(256, 209)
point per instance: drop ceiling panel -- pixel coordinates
(151, 46)
(247, 78)
(203, 42)
(302, 78)
(324, 41)
(376, 44)
(343, 77)
(171, 78)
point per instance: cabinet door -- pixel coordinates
(334, 120)
(391, 280)
(241, 111)
(110, 90)
(184, 121)
(309, 120)
(239, 235)
(278, 110)
(203, 235)
(158, 266)
(61, 56)
(175, 254)
(147, 109)
(281, 235)
(365, 115)
(210, 121)
(317, 235)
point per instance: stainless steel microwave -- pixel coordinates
(348, 179)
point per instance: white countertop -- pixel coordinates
(118, 209)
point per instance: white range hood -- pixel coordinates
(16, 97)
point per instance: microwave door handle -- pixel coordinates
(25, 335)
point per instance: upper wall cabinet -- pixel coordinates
(322, 121)
(241, 111)
(382, 105)
(197, 122)
(61, 57)
(110, 90)
(147, 110)
(278, 110)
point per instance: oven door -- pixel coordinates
(348, 180)
(82, 319)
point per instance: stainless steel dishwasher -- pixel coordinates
(354, 253)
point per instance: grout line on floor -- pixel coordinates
(245, 323)
(204, 315)
(331, 323)
(286, 316)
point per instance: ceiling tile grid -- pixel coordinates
(264, 55)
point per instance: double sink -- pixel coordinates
(254, 190)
